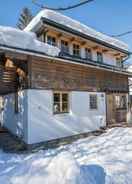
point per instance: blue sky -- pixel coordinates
(107, 16)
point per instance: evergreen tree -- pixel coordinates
(25, 18)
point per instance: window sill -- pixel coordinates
(118, 109)
(93, 109)
(57, 113)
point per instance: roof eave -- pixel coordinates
(27, 52)
(83, 35)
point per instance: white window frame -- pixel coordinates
(96, 101)
(76, 50)
(88, 56)
(65, 47)
(118, 62)
(101, 56)
(51, 43)
(61, 102)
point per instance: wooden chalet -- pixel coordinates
(83, 88)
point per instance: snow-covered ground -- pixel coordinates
(106, 159)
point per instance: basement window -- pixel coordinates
(93, 101)
(61, 102)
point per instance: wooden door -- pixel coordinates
(110, 109)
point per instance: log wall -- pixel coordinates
(64, 76)
(8, 80)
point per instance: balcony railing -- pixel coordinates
(92, 62)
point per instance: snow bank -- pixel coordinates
(12, 37)
(106, 159)
(41, 169)
(76, 25)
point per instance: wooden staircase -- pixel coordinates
(2, 130)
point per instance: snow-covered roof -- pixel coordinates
(12, 37)
(73, 24)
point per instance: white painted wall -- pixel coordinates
(43, 125)
(130, 80)
(16, 123)
(109, 59)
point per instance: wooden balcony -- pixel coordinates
(93, 62)
(8, 80)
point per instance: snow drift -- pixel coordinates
(75, 25)
(37, 169)
(12, 37)
(105, 159)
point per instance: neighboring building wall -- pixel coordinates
(43, 125)
(16, 123)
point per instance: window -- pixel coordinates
(93, 101)
(51, 40)
(121, 101)
(64, 46)
(76, 50)
(99, 57)
(118, 62)
(88, 53)
(61, 102)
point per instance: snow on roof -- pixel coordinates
(16, 38)
(76, 25)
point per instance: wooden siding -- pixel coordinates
(61, 76)
(8, 80)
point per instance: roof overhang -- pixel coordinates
(4, 49)
(83, 35)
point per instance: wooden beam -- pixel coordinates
(72, 39)
(83, 43)
(96, 47)
(42, 30)
(59, 35)
(105, 50)
(118, 54)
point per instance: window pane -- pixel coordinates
(60, 103)
(99, 57)
(76, 50)
(65, 97)
(93, 101)
(124, 102)
(118, 62)
(121, 101)
(56, 97)
(64, 107)
(57, 107)
(64, 46)
(88, 53)
(51, 40)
